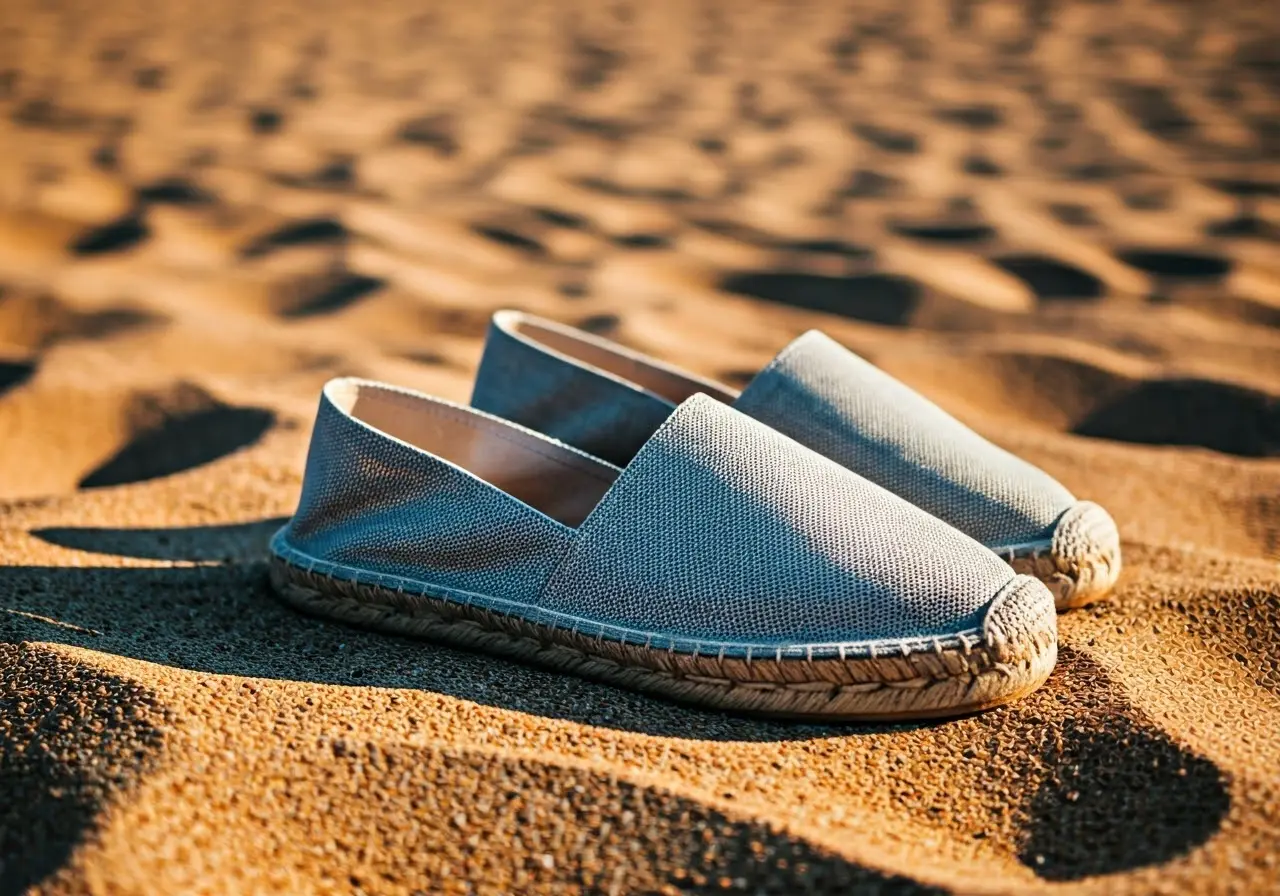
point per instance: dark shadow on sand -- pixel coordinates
(307, 232)
(221, 617)
(876, 298)
(1116, 796)
(347, 291)
(1183, 265)
(181, 441)
(71, 738)
(116, 236)
(1051, 279)
(1220, 416)
(14, 373)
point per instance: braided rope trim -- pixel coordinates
(1008, 662)
(1080, 563)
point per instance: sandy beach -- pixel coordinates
(1060, 221)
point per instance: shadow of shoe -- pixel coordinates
(215, 613)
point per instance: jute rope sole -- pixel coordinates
(1080, 563)
(1002, 666)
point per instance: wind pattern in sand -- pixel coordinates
(1061, 221)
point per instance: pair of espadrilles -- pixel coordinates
(826, 544)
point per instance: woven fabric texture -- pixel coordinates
(822, 394)
(721, 530)
(374, 503)
(531, 385)
(817, 392)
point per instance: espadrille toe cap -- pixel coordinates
(1080, 562)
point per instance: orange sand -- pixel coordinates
(1060, 222)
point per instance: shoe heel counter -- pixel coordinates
(579, 405)
(375, 506)
(513, 379)
(331, 489)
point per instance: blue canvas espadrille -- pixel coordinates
(725, 565)
(607, 400)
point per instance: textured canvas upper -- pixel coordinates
(377, 504)
(775, 540)
(721, 531)
(817, 392)
(530, 384)
(823, 395)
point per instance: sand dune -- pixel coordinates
(1060, 221)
